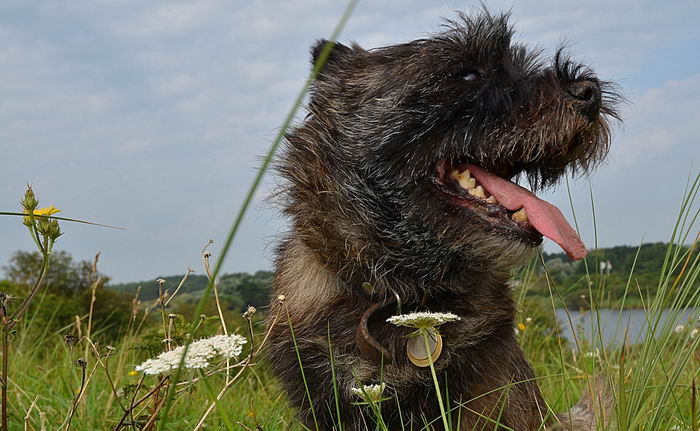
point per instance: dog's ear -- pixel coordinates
(337, 53)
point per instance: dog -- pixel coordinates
(399, 185)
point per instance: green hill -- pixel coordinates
(605, 273)
(238, 290)
(571, 279)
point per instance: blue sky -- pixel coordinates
(153, 115)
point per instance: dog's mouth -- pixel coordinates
(506, 206)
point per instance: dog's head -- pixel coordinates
(408, 152)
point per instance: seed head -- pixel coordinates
(249, 312)
(29, 203)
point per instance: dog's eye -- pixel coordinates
(471, 75)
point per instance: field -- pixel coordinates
(71, 378)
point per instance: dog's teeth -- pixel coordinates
(491, 200)
(464, 178)
(467, 183)
(520, 215)
(478, 191)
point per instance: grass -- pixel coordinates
(82, 384)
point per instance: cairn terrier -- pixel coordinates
(400, 187)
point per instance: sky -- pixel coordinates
(153, 116)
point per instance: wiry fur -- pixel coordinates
(361, 197)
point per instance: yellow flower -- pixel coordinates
(521, 326)
(251, 414)
(133, 373)
(47, 211)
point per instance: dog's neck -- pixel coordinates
(305, 274)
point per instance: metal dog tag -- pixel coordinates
(415, 349)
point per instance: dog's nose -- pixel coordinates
(586, 97)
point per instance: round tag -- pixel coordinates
(415, 349)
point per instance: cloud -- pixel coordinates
(660, 118)
(164, 20)
(176, 83)
(259, 70)
(153, 115)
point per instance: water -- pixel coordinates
(614, 324)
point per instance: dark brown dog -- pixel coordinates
(378, 195)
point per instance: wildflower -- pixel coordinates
(679, 329)
(370, 393)
(426, 324)
(249, 312)
(422, 320)
(199, 354)
(47, 227)
(50, 210)
(521, 326)
(694, 332)
(528, 320)
(515, 330)
(133, 373)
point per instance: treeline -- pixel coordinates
(237, 290)
(73, 290)
(606, 273)
(69, 284)
(608, 270)
(67, 294)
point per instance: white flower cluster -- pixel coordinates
(370, 393)
(422, 320)
(199, 354)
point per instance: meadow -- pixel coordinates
(85, 375)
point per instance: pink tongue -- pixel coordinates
(543, 216)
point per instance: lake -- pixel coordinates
(614, 323)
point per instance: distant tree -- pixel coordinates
(149, 288)
(67, 293)
(65, 276)
(252, 289)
